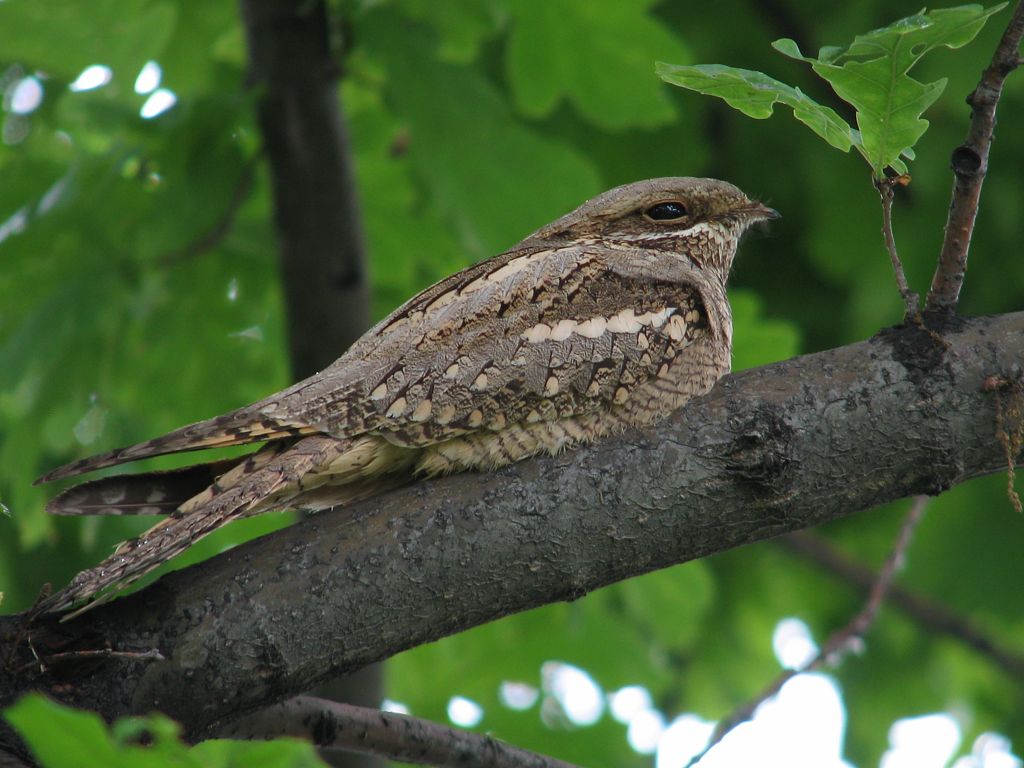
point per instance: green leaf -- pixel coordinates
(386, 186)
(597, 58)
(461, 27)
(669, 607)
(755, 94)
(759, 340)
(872, 75)
(467, 148)
(475, 664)
(85, 742)
(213, 28)
(280, 753)
(123, 34)
(908, 39)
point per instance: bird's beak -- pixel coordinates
(761, 212)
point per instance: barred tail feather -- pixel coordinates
(149, 493)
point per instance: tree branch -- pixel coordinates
(930, 614)
(398, 737)
(910, 298)
(768, 451)
(970, 164)
(840, 642)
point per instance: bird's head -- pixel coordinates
(702, 219)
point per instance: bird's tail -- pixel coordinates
(312, 473)
(148, 493)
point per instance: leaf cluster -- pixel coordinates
(872, 75)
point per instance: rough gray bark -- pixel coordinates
(769, 450)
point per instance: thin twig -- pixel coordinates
(842, 641)
(101, 653)
(1009, 428)
(970, 163)
(929, 613)
(222, 226)
(911, 301)
(387, 734)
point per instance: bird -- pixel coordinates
(610, 317)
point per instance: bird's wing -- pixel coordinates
(245, 425)
(536, 329)
(541, 334)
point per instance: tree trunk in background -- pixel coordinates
(323, 266)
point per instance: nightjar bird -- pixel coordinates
(610, 317)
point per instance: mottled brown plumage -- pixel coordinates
(612, 316)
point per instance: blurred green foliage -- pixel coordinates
(139, 291)
(139, 742)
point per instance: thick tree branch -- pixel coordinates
(970, 164)
(768, 451)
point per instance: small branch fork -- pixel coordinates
(100, 653)
(372, 731)
(842, 641)
(970, 163)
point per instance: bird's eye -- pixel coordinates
(666, 211)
